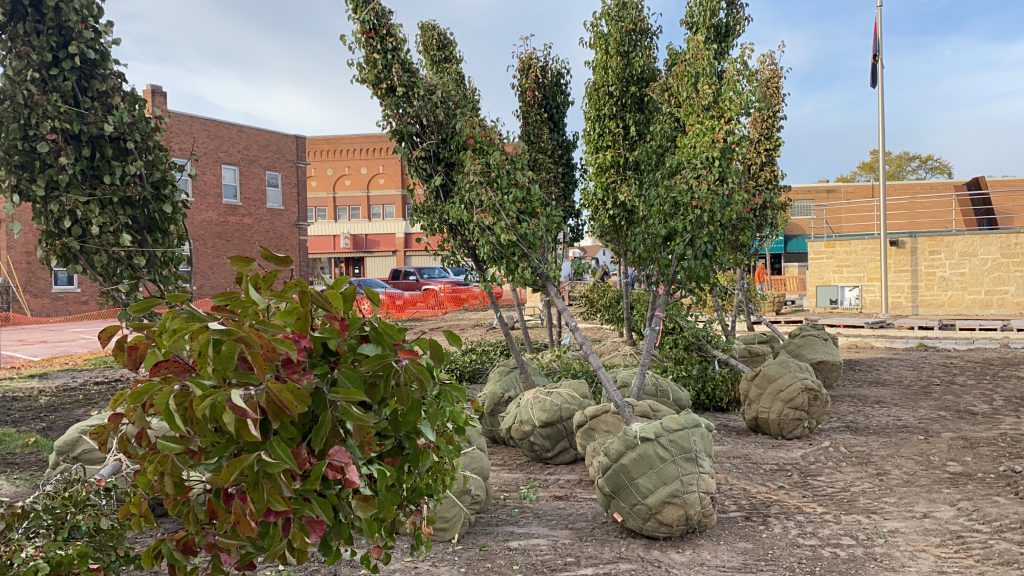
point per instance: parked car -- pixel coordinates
(458, 272)
(416, 278)
(390, 298)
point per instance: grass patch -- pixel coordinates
(18, 442)
(87, 361)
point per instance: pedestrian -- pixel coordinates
(761, 276)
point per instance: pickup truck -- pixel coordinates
(416, 278)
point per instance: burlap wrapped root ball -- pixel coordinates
(657, 478)
(502, 387)
(818, 349)
(74, 452)
(814, 328)
(760, 339)
(539, 423)
(752, 355)
(618, 354)
(774, 302)
(657, 388)
(456, 512)
(783, 399)
(596, 425)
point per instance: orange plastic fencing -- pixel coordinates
(393, 306)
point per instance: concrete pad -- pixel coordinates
(20, 344)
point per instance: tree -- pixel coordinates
(904, 165)
(542, 83)
(618, 112)
(80, 148)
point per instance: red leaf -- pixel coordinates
(340, 466)
(135, 354)
(227, 559)
(409, 354)
(275, 515)
(302, 457)
(339, 323)
(302, 344)
(115, 418)
(392, 461)
(377, 552)
(315, 527)
(171, 367)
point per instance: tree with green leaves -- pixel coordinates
(903, 165)
(80, 148)
(465, 164)
(618, 113)
(542, 82)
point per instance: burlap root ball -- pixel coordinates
(783, 399)
(658, 479)
(818, 349)
(539, 423)
(657, 388)
(774, 302)
(456, 512)
(752, 355)
(760, 339)
(618, 354)
(596, 425)
(813, 328)
(75, 452)
(502, 387)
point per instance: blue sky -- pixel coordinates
(954, 69)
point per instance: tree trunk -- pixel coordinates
(527, 343)
(548, 321)
(761, 319)
(746, 308)
(732, 362)
(560, 324)
(650, 340)
(651, 305)
(524, 373)
(625, 410)
(627, 305)
(720, 314)
(736, 303)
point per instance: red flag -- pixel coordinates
(876, 55)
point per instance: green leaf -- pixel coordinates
(144, 306)
(452, 338)
(280, 453)
(43, 148)
(364, 505)
(279, 260)
(234, 468)
(107, 334)
(242, 264)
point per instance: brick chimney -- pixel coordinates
(156, 99)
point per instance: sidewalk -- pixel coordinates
(22, 344)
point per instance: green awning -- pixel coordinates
(796, 243)
(777, 246)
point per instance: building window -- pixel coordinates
(274, 199)
(62, 281)
(229, 184)
(408, 211)
(321, 213)
(185, 270)
(376, 212)
(355, 212)
(184, 177)
(341, 213)
(389, 211)
(802, 209)
(310, 214)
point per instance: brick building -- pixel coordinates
(358, 208)
(248, 189)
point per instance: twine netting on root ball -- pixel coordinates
(596, 425)
(657, 478)
(456, 512)
(657, 388)
(539, 422)
(783, 399)
(502, 387)
(752, 355)
(760, 339)
(818, 349)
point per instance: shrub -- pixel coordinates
(470, 364)
(296, 425)
(713, 387)
(72, 527)
(561, 364)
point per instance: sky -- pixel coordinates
(954, 74)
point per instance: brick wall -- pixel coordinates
(965, 275)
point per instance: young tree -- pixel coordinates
(618, 114)
(542, 83)
(904, 165)
(79, 147)
(466, 160)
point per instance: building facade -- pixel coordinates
(358, 208)
(247, 189)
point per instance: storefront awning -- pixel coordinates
(797, 244)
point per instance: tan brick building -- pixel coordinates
(248, 189)
(358, 207)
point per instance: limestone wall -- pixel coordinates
(957, 274)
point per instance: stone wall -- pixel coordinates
(934, 275)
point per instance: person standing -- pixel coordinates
(761, 276)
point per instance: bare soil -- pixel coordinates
(914, 473)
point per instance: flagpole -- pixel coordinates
(884, 225)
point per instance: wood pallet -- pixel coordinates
(1017, 325)
(917, 324)
(853, 322)
(785, 319)
(979, 325)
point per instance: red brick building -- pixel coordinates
(248, 189)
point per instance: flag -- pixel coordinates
(876, 55)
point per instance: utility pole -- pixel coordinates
(879, 69)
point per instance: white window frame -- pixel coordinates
(339, 211)
(318, 213)
(310, 214)
(805, 210)
(379, 209)
(278, 189)
(185, 177)
(355, 212)
(238, 185)
(408, 211)
(186, 268)
(53, 280)
(392, 207)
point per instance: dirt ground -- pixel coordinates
(916, 472)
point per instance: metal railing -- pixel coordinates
(958, 212)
